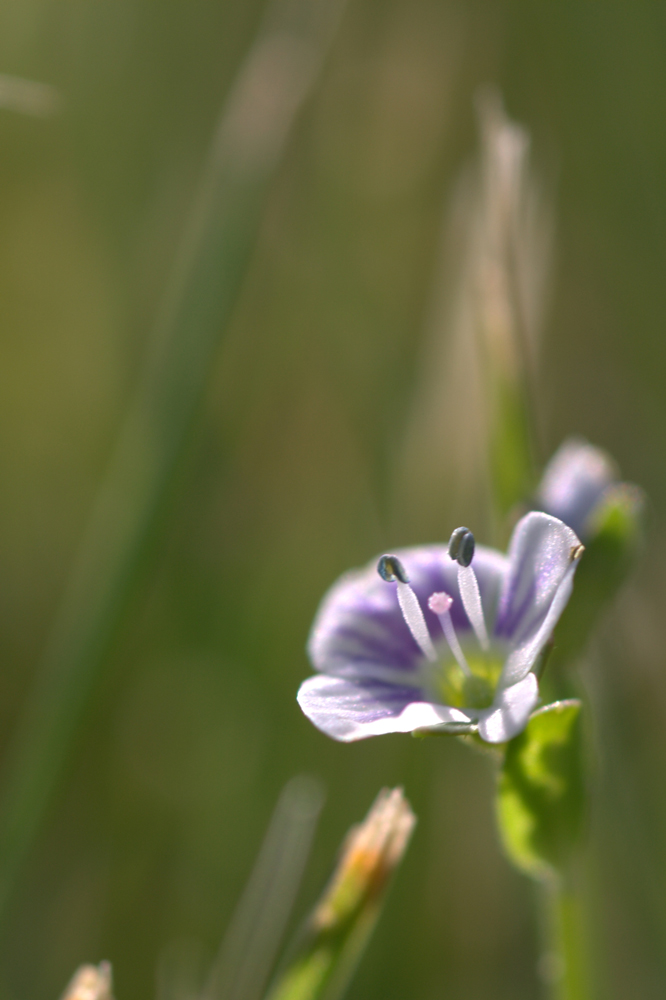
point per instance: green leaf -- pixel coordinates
(613, 542)
(541, 791)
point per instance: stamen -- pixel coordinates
(391, 569)
(461, 546)
(461, 549)
(411, 611)
(471, 598)
(441, 604)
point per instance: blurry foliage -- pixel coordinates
(194, 727)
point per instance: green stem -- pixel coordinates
(564, 960)
(326, 968)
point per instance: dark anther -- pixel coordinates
(456, 538)
(390, 568)
(461, 546)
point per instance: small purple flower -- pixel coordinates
(445, 639)
(575, 482)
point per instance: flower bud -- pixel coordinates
(340, 926)
(580, 486)
(371, 852)
(90, 982)
(574, 483)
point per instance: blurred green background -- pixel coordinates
(295, 469)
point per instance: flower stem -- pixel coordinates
(564, 964)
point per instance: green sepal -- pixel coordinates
(540, 798)
(446, 729)
(613, 540)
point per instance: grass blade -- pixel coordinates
(250, 945)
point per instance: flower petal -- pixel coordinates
(359, 623)
(574, 482)
(351, 710)
(542, 561)
(509, 713)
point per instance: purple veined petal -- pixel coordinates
(509, 713)
(574, 482)
(350, 710)
(521, 659)
(536, 589)
(359, 620)
(432, 570)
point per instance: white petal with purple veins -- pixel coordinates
(351, 710)
(521, 660)
(509, 714)
(542, 560)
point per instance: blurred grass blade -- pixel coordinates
(508, 273)
(339, 929)
(181, 969)
(475, 422)
(250, 945)
(275, 79)
(28, 97)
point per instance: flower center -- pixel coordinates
(463, 678)
(475, 689)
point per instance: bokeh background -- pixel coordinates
(298, 467)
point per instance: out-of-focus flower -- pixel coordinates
(581, 486)
(449, 644)
(90, 982)
(575, 482)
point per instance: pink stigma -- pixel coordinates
(440, 603)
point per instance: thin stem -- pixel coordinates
(563, 964)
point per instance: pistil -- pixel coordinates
(441, 603)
